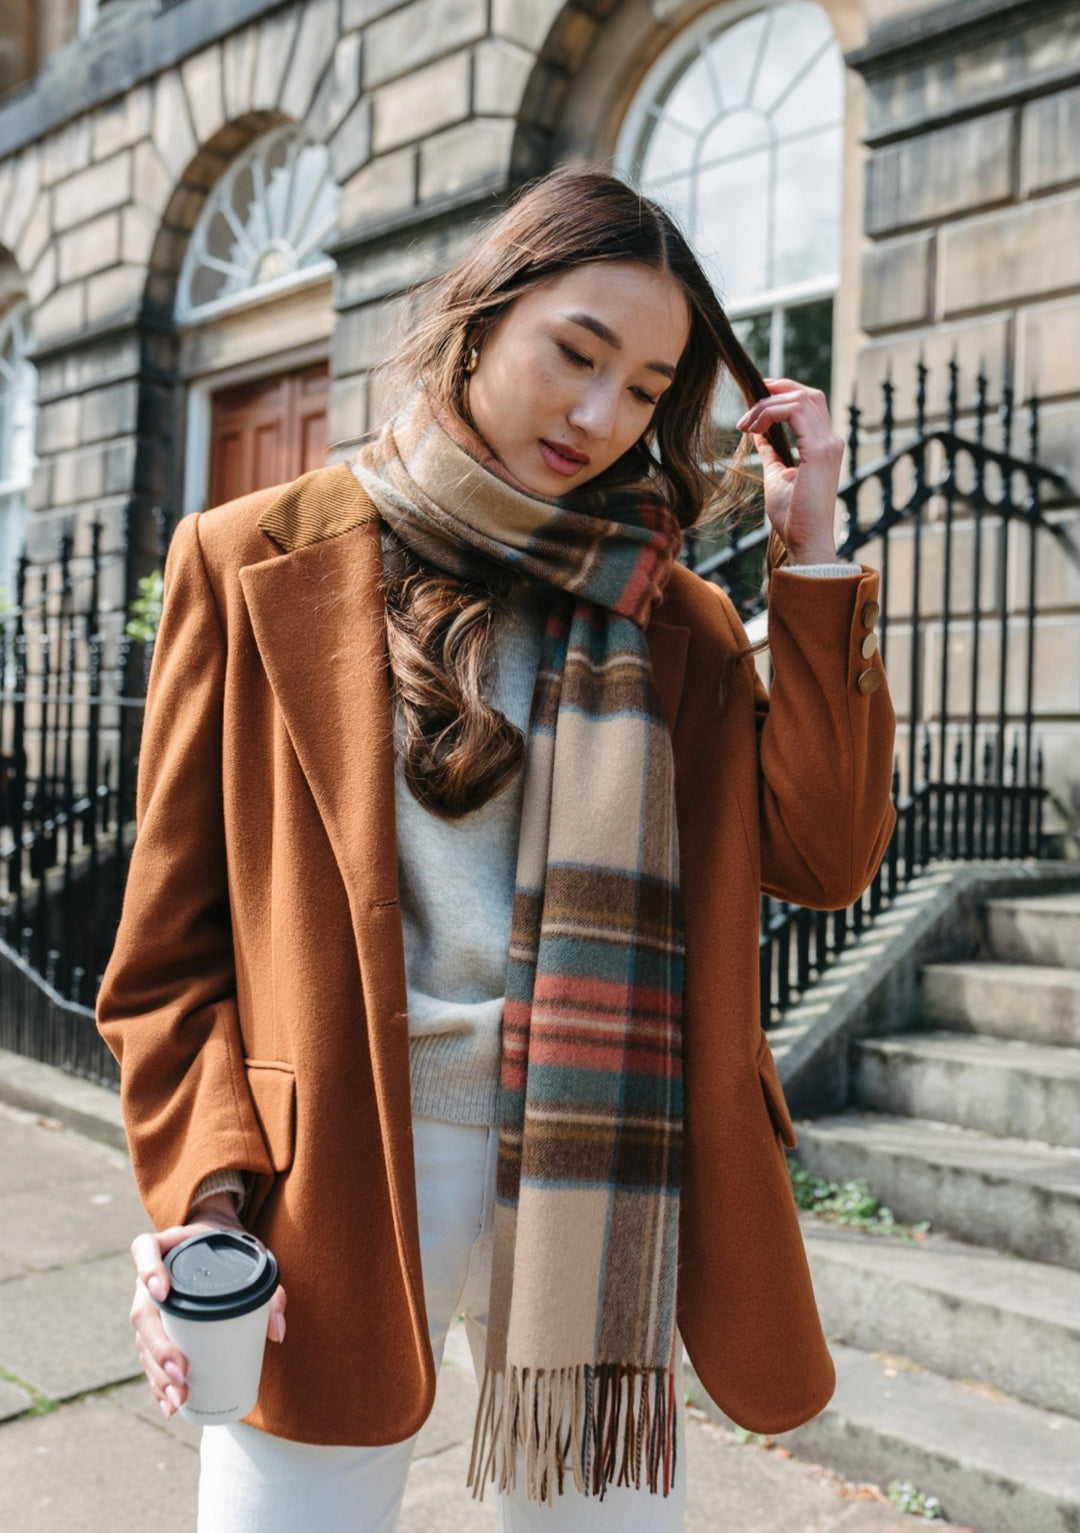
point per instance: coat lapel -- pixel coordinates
(316, 615)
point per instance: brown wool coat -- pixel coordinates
(255, 995)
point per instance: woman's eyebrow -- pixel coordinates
(605, 333)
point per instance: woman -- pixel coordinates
(457, 791)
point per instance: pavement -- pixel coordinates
(84, 1447)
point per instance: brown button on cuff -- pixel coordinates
(868, 646)
(868, 681)
(870, 613)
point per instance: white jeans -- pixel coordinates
(254, 1482)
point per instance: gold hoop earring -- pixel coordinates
(471, 361)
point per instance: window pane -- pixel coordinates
(732, 224)
(808, 344)
(807, 209)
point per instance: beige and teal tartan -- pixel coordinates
(579, 1371)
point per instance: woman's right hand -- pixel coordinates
(163, 1363)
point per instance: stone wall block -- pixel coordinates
(338, 90)
(78, 476)
(238, 53)
(939, 174)
(173, 134)
(123, 122)
(110, 412)
(36, 233)
(42, 280)
(114, 293)
(1022, 252)
(365, 336)
(1047, 347)
(61, 315)
(58, 425)
(422, 31)
(357, 13)
(527, 22)
(65, 151)
(421, 103)
(138, 232)
(25, 187)
(347, 417)
(39, 495)
(314, 48)
(501, 73)
(201, 74)
(118, 467)
(474, 155)
(277, 32)
(570, 39)
(89, 248)
(383, 187)
(350, 146)
(1050, 142)
(93, 191)
(896, 282)
(152, 181)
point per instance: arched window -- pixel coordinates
(263, 227)
(737, 129)
(18, 393)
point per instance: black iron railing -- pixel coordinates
(72, 685)
(960, 617)
(968, 780)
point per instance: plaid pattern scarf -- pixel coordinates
(581, 1323)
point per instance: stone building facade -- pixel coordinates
(203, 198)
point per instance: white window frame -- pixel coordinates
(197, 256)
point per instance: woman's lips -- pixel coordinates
(556, 461)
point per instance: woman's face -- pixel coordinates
(577, 363)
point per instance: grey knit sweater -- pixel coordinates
(457, 888)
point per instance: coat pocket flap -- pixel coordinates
(273, 1090)
(774, 1093)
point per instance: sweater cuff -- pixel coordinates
(221, 1181)
(827, 570)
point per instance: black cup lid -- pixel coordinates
(219, 1274)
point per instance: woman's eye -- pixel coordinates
(575, 356)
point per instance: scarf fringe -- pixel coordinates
(574, 1418)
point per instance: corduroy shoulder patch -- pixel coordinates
(320, 504)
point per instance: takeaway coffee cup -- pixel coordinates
(216, 1311)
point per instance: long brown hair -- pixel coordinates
(458, 750)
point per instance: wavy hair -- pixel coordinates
(458, 750)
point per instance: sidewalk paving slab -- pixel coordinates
(93, 1468)
(66, 1332)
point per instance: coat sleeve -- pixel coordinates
(167, 1005)
(825, 745)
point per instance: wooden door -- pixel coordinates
(267, 432)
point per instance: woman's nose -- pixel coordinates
(595, 414)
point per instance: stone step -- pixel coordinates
(1007, 1000)
(1009, 1193)
(1042, 929)
(994, 1462)
(1003, 1086)
(967, 1311)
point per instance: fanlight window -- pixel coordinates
(737, 129)
(18, 392)
(263, 227)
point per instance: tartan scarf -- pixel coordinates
(581, 1324)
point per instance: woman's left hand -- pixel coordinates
(800, 502)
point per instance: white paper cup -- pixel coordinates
(216, 1312)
